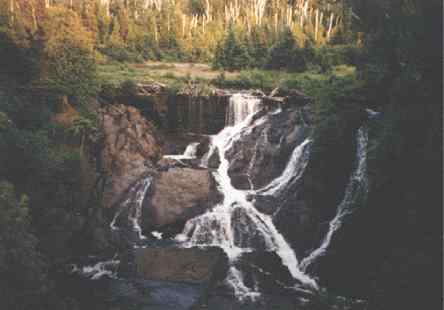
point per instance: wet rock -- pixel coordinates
(177, 143)
(167, 163)
(266, 204)
(299, 224)
(213, 160)
(177, 195)
(198, 114)
(273, 101)
(189, 265)
(297, 97)
(263, 153)
(266, 271)
(291, 96)
(130, 149)
(242, 182)
(258, 93)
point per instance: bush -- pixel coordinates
(329, 56)
(122, 54)
(128, 88)
(285, 54)
(109, 91)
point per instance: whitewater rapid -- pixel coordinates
(217, 227)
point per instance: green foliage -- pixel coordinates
(257, 48)
(285, 54)
(121, 53)
(70, 67)
(22, 269)
(73, 73)
(128, 88)
(4, 121)
(232, 54)
(328, 57)
(109, 91)
(19, 61)
(83, 128)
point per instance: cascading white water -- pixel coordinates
(240, 106)
(357, 185)
(189, 153)
(191, 150)
(293, 170)
(133, 206)
(221, 227)
(94, 272)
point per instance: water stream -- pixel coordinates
(221, 225)
(235, 224)
(356, 187)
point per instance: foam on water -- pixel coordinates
(221, 227)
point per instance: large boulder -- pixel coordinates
(130, 149)
(266, 271)
(189, 265)
(177, 195)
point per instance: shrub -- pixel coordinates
(285, 54)
(109, 91)
(128, 88)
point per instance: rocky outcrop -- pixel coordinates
(261, 156)
(190, 265)
(266, 271)
(130, 149)
(150, 89)
(177, 195)
(290, 96)
(201, 114)
(176, 143)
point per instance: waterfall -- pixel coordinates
(240, 106)
(236, 225)
(97, 271)
(189, 153)
(293, 170)
(132, 206)
(356, 187)
(191, 150)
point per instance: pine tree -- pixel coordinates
(257, 48)
(286, 54)
(232, 54)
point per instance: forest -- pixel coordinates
(67, 66)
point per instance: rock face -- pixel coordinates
(261, 156)
(197, 114)
(190, 110)
(130, 149)
(265, 270)
(190, 265)
(177, 195)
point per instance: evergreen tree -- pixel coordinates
(232, 54)
(285, 54)
(22, 269)
(257, 48)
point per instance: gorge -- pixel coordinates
(226, 191)
(221, 155)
